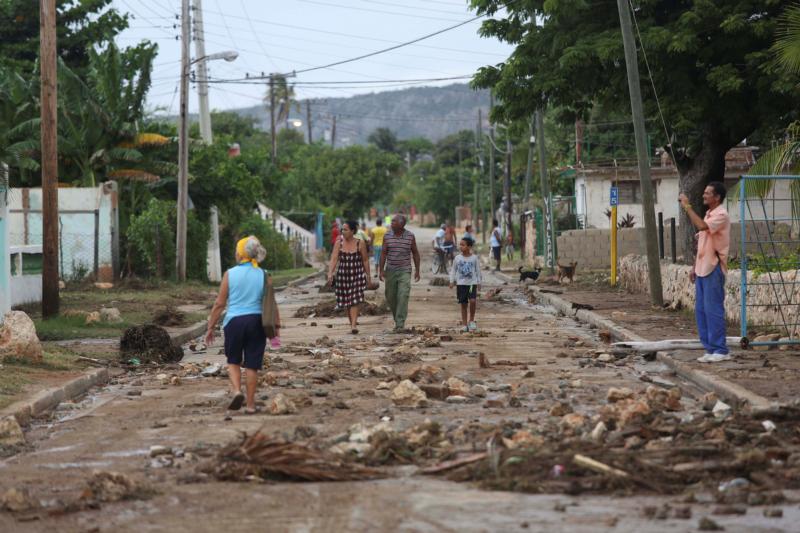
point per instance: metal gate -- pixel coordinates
(769, 255)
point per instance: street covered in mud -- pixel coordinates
(533, 422)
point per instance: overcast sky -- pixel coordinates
(290, 35)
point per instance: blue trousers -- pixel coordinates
(376, 250)
(709, 311)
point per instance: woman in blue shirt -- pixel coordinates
(242, 290)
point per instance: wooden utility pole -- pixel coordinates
(637, 110)
(529, 167)
(460, 178)
(49, 124)
(183, 148)
(549, 232)
(333, 133)
(308, 120)
(507, 186)
(491, 158)
(272, 128)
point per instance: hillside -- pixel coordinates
(432, 112)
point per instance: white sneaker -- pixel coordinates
(715, 358)
(465, 329)
(473, 326)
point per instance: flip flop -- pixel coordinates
(253, 411)
(237, 402)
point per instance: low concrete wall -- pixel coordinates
(679, 291)
(591, 248)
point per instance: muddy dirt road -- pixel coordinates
(158, 431)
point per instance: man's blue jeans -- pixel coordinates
(709, 311)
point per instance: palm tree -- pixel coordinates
(19, 125)
(284, 98)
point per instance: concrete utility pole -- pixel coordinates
(529, 167)
(183, 148)
(491, 157)
(272, 128)
(202, 73)
(308, 120)
(549, 225)
(478, 174)
(648, 210)
(49, 124)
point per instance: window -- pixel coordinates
(630, 192)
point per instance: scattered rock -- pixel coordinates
(436, 392)
(479, 391)
(92, 318)
(773, 513)
(709, 400)
(106, 486)
(573, 421)
(384, 385)
(706, 524)
(102, 285)
(11, 434)
(281, 405)
(110, 315)
(605, 357)
(721, 409)
(457, 399)
(407, 394)
(599, 432)
(659, 398)
(427, 374)
(560, 409)
(157, 450)
(616, 394)
(18, 337)
(456, 387)
(494, 401)
(17, 501)
(729, 510)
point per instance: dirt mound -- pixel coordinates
(149, 344)
(328, 309)
(169, 317)
(439, 281)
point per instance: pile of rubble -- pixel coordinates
(329, 309)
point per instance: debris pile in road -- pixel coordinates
(259, 456)
(654, 451)
(104, 486)
(440, 281)
(149, 344)
(169, 317)
(329, 309)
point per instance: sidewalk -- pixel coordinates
(771, 374)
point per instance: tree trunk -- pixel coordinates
(695, 173)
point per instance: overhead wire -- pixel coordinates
(368, 10)
(256, 35)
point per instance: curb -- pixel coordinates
(182, 335)
(48, 399)
(731, 392)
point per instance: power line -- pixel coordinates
(415, 8)
(257, 80)
(395, 47)
(255, 34)
(368, 10)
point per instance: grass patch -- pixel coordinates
(16, 374)
(282, 277)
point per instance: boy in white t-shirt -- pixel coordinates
(466, 277)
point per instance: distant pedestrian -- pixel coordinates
(710, 268)
(350, 266)
(335, 232)
(376, 235)
(399, 246)
(468, 232)
(495, 241)
(466, 277)
(510, 245)
(242, 291)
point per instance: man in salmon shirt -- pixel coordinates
(710, 268)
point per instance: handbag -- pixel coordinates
(269, 309)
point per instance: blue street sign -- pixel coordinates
(614, 197)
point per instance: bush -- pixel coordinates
(279, 255)
(152, 236)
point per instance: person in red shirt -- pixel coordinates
(710, 268)
(334, 233)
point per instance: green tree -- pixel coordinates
(82, 25)
(19, 126)
(385, 140)
(710, 61)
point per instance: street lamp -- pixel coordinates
(183, 132)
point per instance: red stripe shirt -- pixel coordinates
(398, 251)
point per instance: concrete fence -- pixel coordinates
(769, 307)
(591, 248)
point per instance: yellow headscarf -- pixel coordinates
(242, 253)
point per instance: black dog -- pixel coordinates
(533, 275)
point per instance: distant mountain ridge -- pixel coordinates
(431, 112)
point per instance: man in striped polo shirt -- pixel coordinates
(399, 246)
